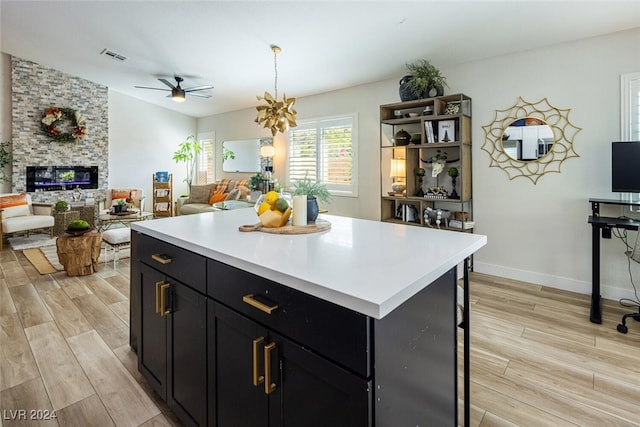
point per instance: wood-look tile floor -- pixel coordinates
(64, 350)
(536, 360)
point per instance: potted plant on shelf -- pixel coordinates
(187, 153)
(314, 191)
(424, 80)
(453, 173)
(61, 206)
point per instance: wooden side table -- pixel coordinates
(62, 220)
(79, 254)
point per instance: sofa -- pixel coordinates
(18, 213)
(202, 198)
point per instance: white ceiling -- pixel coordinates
(326, 45)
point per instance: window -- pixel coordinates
(325, 150)
(205, 167)
(630, 96)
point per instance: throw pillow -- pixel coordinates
(14, 205)
(120, 194)
(217, 197)
(242, 183)
(200, 193)
(233, 195)
(223, 185)
(244, 192)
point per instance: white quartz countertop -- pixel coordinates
(367, 266)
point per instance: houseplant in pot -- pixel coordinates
(424, 80)
(187, 152)
(314, 191)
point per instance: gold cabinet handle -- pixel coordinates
(249, 299)
(163, 303)
(257, 378)
(269, 387)
(158, 285)
(161, 258)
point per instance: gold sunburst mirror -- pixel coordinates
(530, 139)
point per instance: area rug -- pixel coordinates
(39, 261)
(51, 255)
(19, 243)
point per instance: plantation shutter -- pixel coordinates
(323, 150)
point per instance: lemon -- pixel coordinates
(271, 197)
(264, 206)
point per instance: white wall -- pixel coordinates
(142, 140)
(536, 233)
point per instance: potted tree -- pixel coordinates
(187, 153)
(424, 80)
(314, 191)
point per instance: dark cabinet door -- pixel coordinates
(187, 354)
(313, 392)
(152, 342)
(263, 379)
(236, 372)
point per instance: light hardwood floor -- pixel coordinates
(536, 360)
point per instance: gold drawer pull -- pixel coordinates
(158, 285)
(257, 378)
(161, 258)
(249, 299)
(163, 302)
(269, 387)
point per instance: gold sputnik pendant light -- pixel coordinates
(276, 115)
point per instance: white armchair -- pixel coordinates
(133, 196)
(18, 213)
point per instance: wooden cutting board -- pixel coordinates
(320, 225)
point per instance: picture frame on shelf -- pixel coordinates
(446, 131)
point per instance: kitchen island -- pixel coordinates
(352, 326)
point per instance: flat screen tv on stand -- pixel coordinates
(625, 169)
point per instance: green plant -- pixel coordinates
(311, 189)
(255, 181)
(425, 77)
(61, 206)
(5, 160)
(122, 202)
(187, 152)
(453, 172)
(227, 154)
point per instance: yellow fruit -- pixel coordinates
(271, 197)
(264, 206)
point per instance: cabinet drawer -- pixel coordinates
(334, 332)
(186, 266)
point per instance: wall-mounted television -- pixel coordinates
(625, 167)
(55, 178)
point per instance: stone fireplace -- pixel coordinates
(36, 88)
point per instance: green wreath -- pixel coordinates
(54, 116)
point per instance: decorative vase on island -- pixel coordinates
(312, 209)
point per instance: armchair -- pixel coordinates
(132, 196)
(634, 255)
(18, 213)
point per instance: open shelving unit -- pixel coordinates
(439, 126)
(162, 197)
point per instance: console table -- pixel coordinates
(605, 224)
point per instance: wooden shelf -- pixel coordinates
(394, 117)
(162, 197)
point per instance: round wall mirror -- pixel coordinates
(530, 139)
(527, 139)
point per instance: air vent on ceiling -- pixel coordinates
(113, 55)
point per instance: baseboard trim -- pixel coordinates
(557, 282)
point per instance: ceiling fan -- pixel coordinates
(177, 93)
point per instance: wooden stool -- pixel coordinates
(79, 254)
(116, 238)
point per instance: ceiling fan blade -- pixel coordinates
(165, 81)
(200, 95)
(193, 89)
(154, 88)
